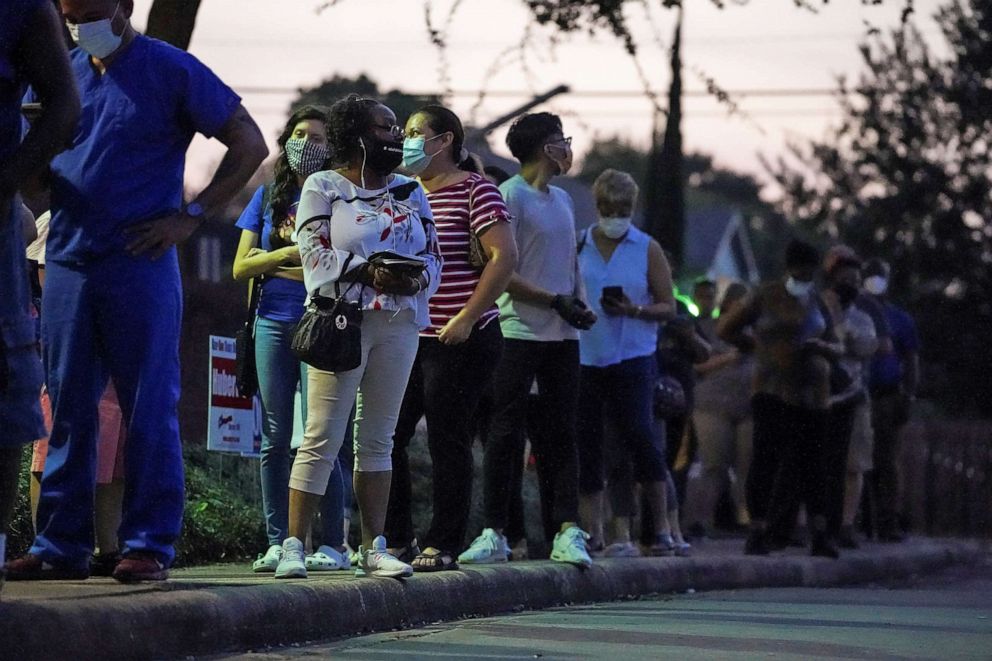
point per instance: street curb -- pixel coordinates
(180, 620)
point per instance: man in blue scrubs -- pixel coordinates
(31, 52)
(113, 297)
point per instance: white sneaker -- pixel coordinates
(488, 547)
(622, 550)
(327, 558)
(376, 561)
(570, 547)
(293, 563)
(268, 561)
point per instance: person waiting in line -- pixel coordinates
(893, 379)
(627, 278)
(32, 51)
(849, 436)
(113, 295)
(792, 344)
(721, 418)
(540, 316)
(460, 348)
(345, 215)
(268, 253)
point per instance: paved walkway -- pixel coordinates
(225, 608)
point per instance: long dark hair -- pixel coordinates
(284, 186)
(442, 120)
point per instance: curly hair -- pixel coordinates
(284, 186)
(348, 120)
(528, 134)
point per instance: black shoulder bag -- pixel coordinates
(245, 372)
(329, 335)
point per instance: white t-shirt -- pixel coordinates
(36, 249)
(336, 220)
(544, 228)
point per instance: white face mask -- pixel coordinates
(614, 228)
(877, 285)
(96, 37)
(798, 288)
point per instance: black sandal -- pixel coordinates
(432, 559)
(405, 553)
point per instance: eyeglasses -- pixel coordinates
(394, 130)
(567, 141)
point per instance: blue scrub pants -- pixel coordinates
(118, 316)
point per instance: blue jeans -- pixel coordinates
(118, 315)
(279, 375)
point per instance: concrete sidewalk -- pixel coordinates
(225, 608)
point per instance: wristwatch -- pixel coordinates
(195, 211)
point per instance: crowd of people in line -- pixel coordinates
(481, 309)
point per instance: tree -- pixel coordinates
(331, 90)
(907, 175)
(173, 21)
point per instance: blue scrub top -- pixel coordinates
(127, 159)
(16, 327)
(281, 299)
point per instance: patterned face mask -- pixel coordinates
(305, 157)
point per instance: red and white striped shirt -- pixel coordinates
(473, 203)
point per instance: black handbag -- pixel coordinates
(329, 335)
(245, 372)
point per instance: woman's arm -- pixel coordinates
(501, 250)
(251, 261)
(322, 262)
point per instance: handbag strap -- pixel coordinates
(254, 293)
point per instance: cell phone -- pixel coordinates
(613, 292)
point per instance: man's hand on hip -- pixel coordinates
(159, 235)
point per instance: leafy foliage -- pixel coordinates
(907, 175)
(329, 91)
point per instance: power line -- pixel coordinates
(589, 94)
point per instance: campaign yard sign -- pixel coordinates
(233, 424)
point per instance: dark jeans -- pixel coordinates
(624, 394)
(555, 365)
(445, 386)
(839, 429)
(889, 414)
(788, 464)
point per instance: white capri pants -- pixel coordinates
(389, 347)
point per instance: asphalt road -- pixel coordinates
(943, 616)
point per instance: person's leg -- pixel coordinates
(331, 531)
(814, 474)
(767, 441)
(139, 317)
(10, 469)
(392, 350)
(743, 452)
(886, 484)
(454, 379)
(558, 383)
(109, 506)
(511, 385)
(399, 515)
(840, 425)
(75, 381)
(278, 373)
(593, 391)
(859, 461)
(716, 440)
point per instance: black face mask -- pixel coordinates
(382, 156)
(845, 293)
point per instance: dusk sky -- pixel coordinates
(766, 45)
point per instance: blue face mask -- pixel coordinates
(415, 159)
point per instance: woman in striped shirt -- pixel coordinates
(460, 348)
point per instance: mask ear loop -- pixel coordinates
(364, 156)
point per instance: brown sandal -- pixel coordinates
(432, 559)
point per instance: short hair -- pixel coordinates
(877, 266)
(800, 254)
(497, 173)
(615, 189)
(838, 257)
(348, 120)
(528, 134)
